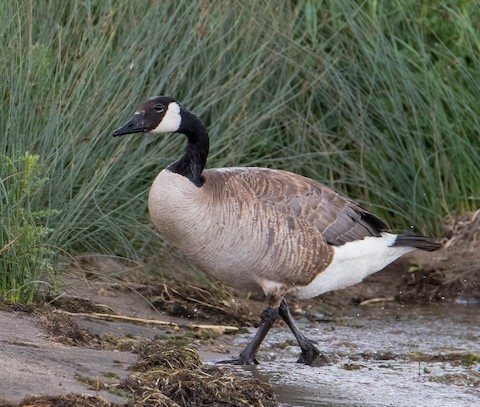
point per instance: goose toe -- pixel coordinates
(311, 356)
(240, 361)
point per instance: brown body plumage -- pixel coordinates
(225, 226)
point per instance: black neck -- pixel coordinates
(193, 161)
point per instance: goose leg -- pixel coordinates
(310, 354)
(247, 356)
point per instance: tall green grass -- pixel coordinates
(377, 99)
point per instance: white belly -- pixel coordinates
(354, 261)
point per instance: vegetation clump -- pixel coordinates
(466, 359)
(157, 354)
(26, 260)
(169, 375)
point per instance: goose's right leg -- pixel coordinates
(310, 354)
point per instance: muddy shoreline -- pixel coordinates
(408, 333)
(71, 353)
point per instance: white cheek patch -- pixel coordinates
(171, 121)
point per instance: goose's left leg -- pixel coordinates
(310, 354)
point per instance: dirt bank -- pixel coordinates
(118, 351)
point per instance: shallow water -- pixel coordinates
(374, 351)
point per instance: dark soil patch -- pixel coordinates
(78, 305)
(453, 272)
(13, 307)
(218, 304)
(67, 400)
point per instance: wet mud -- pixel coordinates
(382, 356)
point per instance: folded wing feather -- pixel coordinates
(338, 219)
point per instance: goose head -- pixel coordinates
(159, 114)
(163, 114)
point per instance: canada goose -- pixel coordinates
(262, 230)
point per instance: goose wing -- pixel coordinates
(338, 219)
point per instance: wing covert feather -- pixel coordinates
(338, 219)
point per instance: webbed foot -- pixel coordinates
(311, 356)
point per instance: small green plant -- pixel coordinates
(25, 259)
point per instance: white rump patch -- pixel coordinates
(354, 261)
(171, 120)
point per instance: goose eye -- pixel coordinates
(159, 107)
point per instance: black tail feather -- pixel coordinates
(419, 242)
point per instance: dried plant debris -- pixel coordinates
(199, 388)
(459, 379)
(463, 228)
(217, 304)
(95, 266)
(455, 358)
(157, 354)
(62, 328)
(463, 243)
(169, 374)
